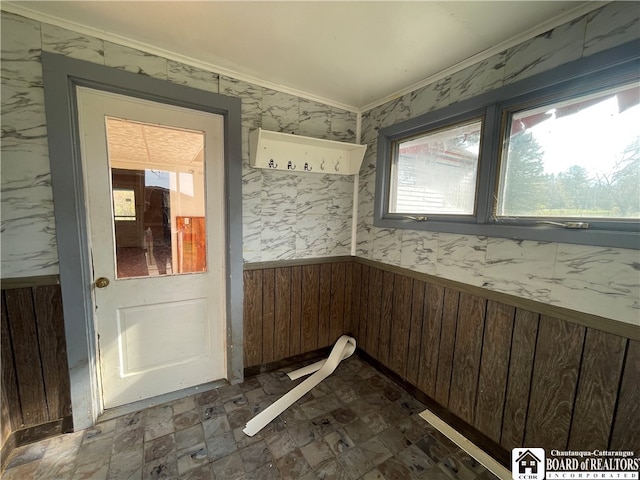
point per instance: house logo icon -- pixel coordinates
(527, 463)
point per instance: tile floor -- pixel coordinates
(356, 424)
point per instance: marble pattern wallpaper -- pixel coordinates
(597, 280)
(295, 215)
(285, 215)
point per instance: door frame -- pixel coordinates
(61, 76)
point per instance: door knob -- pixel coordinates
(102, 282)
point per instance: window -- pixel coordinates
(555, 157)
(578, 158)
(124, 204)
(436, 173)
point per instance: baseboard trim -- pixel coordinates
(495, 450)
(294, 361)
(33, 434)
(491, 449)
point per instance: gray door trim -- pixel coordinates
(61, 77)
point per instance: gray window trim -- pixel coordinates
(592, 73)
(61, 76)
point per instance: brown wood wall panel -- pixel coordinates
(626, 427)
(35, 387)
(9, 376)
(282, 313)
(47, 301)
(375, 309)
(555, 377)
(350, 326)
(447, 344)
(296, 311)
(324, 308)
(430, 345)
(566, 385)
(400, 324)
(364, 321)
(310, 299)
(415, 331)
(24, 338)
(336, 324)
(494, 366)
(466, 357)
(268, 315)
(516, 377)
(600, 375)
(386, 315)
(523, 346)
(253, 318)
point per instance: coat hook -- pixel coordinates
(338, 166)
(307, 168)
(272, 164)
(322, 165)
(291, 166)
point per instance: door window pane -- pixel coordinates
(158, 189)
(436, 173)
(575, 158)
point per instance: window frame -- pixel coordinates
(435, 126)
(580, 77)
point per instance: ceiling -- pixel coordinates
(349, 54)
(142, 146)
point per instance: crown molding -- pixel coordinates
(25, 11)
(22, 10)
(550, 24)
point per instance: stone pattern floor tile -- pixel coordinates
(357, 424)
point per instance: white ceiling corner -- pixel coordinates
(353, 55)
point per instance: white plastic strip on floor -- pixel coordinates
(343, 348)
(314, 367)
(308, 370)
(465, 444)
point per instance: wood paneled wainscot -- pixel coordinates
(297, 309)
(508, 372)
(36, 398)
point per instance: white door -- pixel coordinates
(154, 177)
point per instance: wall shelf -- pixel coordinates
(283, 151)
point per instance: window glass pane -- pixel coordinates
(436, 173)
(124, 205)
(158, 179)
(577, 158)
